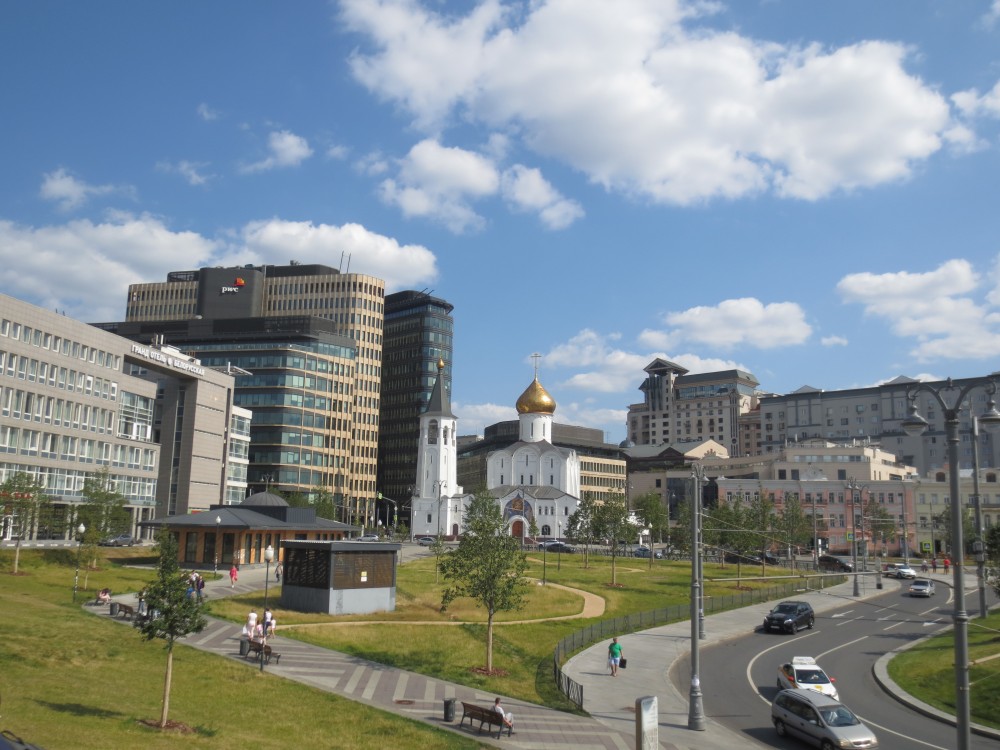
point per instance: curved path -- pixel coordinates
(593, 606)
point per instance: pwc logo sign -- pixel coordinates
(238, 283)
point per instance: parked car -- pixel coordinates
(899, 570)
(122, 540)
(426, 541)
(368, 538)
(545, 543)
(836, 563)
(789, 617)
(735, 557)
(819, 720)
(803, 672)
(561, 547)
(643, 551)
(922, 587)
(771, 559)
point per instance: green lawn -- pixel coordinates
(69, 680)
(927, 671)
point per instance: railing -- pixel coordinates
(645, 620)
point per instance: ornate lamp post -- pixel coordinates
(696, 712)
(856, 490)
(218, 540)
(80, 530)
(559, 548)
(914, 425)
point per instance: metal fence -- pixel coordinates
(645, 620)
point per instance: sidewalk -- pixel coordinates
(610, 703)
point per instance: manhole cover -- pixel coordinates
(404, 702)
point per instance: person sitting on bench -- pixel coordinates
(104, 596)
(507, 716)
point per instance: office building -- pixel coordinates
(344, 450)
(678, 407)
(75, 400)
(418, 335)
(875, 414)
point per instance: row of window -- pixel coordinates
(59, 344)
(65, 378)
(56, 480)
(18, 404)
(70, 448)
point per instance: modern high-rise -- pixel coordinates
(678, 407)
(418, 335)
(352, 309)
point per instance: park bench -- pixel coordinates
(255, 648)
(484, 715)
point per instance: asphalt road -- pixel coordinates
(739, 677)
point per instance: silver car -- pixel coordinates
(819, 720)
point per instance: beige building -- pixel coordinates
(75, 399)
(678, 407)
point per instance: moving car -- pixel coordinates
(836, 563)
(789, 617)
(122, 540)
(803, 672)
(426, 541)
(922, 587)
(819, 720)
(899, 570)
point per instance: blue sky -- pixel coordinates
(809, 191)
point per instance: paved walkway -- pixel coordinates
(610, 702)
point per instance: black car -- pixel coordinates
(735, 557)
(789, 617)
(772, 559)
(560, 547)
(836, 564)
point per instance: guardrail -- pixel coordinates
(654, 618)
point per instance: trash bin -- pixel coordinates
(449, 709)
(114, 609)
(244, 647)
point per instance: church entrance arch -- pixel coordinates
(517, 529)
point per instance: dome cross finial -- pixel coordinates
(536, 356)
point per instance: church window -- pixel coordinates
(546, 531)
(432, 432)
(552, 479)
(522, 479)
(501, 479)
(428, 518)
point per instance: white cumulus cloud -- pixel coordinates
(69, 192)
(527, 190)
(646, 98)
(731, 323)
(286, 150)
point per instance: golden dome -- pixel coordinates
(535, 400)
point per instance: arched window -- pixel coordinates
(432, 432)
(546, 531)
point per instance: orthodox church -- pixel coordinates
(531, 479)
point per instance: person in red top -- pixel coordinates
(234, 573)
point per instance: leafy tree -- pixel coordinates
(649, 509)
(992, 542)
(488, 565)
(680, 535)
(103, 514)
(734, 525)
(611, 520)
(580, 525)
(325, 503)
(793, 526)
(879, 524)
(24, 501)
(533, 527)
(943, 521)
(172, 613)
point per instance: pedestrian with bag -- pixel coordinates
(614, 656)
(234, 574)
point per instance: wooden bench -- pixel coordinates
(484, 715)
(255, 648)
(127, 611)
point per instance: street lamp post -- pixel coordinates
(80, 530)
(440, 484)
(268, 558)
(696, 712)
(545, 548)
(218, 545)
(855, 490)
(915, 425)
(559, 548)
(978, 546)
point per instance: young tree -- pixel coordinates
(23, 499)
(879, 524)
(325, 504)
(172, 613)
(488, 565)
(733, 524)
(794, 527)
(651, 514)
(580, 526)
(611, 520)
